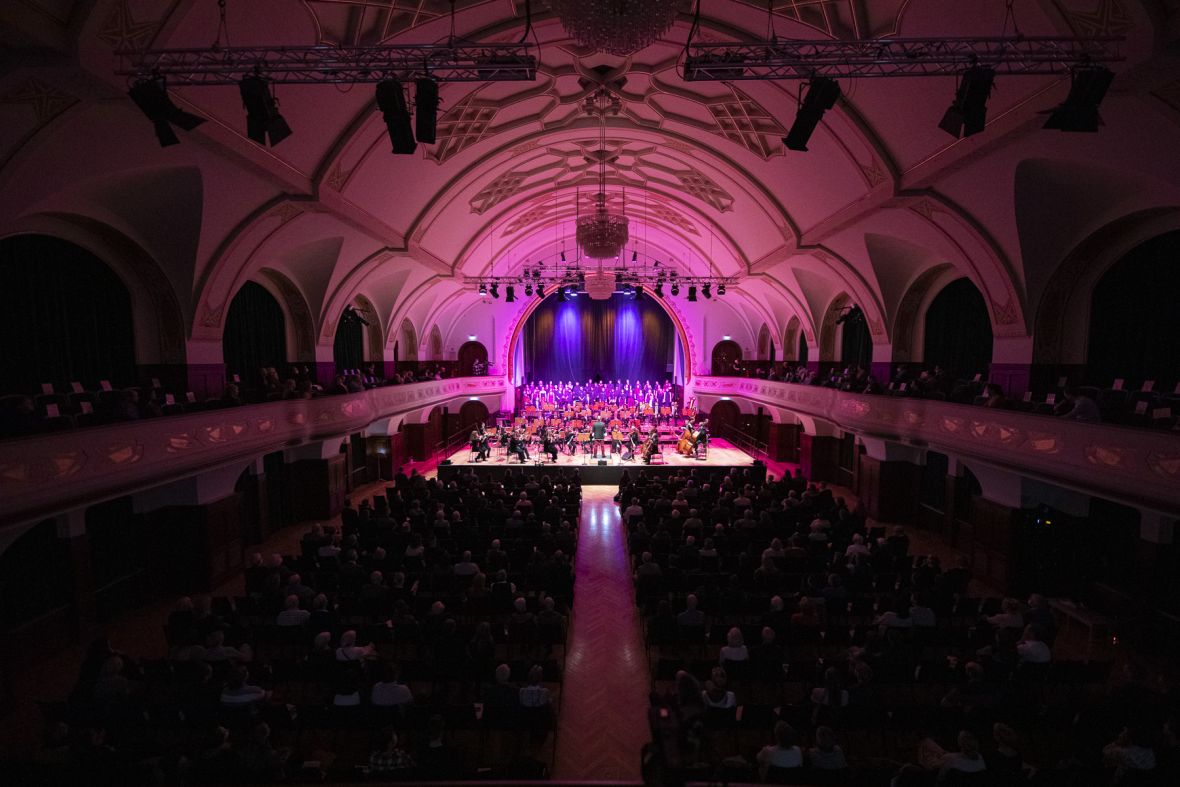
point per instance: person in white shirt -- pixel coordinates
(350, 651)
(734, 648)
(716, 694)
(1130, 751)
(857, 547)
(1031, 649)
(292, 615)
(1009, 616)
(389, 691)
(633, 510)
(782, 754)
(465, 567)
(967, 759)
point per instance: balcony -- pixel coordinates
(1135, 466)
(47, 473)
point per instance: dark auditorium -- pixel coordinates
(607, 393)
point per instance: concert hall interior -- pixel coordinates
(593, 391)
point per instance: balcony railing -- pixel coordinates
(48, 473)
(1135, 466)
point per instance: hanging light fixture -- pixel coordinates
(602, 235)
(617, 27)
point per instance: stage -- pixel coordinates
(721, 457)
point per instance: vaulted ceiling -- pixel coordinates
(882, 198)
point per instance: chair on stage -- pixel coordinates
(701, 450)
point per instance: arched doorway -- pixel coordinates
(727, 358)
(801, 355)
(469, 353)
(958, 333)
(65, 316)
(1132, 331)
(471, 414)
(348, 348)
(724, 417)
(856, 344)
(255, 335)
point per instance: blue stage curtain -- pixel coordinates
(623, 338)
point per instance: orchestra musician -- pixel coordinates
(598, 437)
(651, 446)
(633, 442)
(548, 445)
(701, 438)
(687, 443)
(479, 443)
(516, 445)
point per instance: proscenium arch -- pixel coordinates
(681, 333)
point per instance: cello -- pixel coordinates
(687, 443)
(651, 447)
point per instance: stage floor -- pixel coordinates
(722, 455)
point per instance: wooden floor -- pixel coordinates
(721, 454)
(604, 704)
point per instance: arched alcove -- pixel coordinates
(408, 342)
(436, 343)
(725, 354)
(723, 416)
(765, 346)
(958, 333)
(348, 346)
(791, 339)
(65, 316)
(469, 353)
(1132, 330)
(255, 335)
(472, 414)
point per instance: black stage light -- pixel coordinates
(720, 290)
(659, 289)
(822, 94)
(151, 96)
(707, 291)
(494, 290)
(563, 255)
(634, 255)
(967, 115)
(540, 290)
(692, 293)
(675, 289)
(638, 290)
(528, 290)
(263, 122)
(426, 103)
(1079, 111)
(483, 289)
(509, 294)
(391, 100)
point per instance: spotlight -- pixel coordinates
(391, 100)
(638, 290)
(563, 255)
(707, 291)
(634, 255)
(692, 293)
(528, 290)
(483, 290)
(1079, 111)
(494, 290)
(659, 289)
(426, 102)
(720, 290)
(509, 294)
(263, 122)
(675, 289)
(967, 115)
(540, 290)
(821, 96)
(151, 96)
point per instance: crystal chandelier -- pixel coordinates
(617, 27)
(602, 235)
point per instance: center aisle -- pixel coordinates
(605, 692)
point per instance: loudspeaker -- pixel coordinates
(445, 462)
(602, 463)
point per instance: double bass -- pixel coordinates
(687, 444)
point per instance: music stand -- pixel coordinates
(584, 441)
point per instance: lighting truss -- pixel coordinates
(895, 57)
(551, 280)
(335, 64)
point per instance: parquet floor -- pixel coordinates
(605, 693)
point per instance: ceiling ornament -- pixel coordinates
(463, 125)
(1101, 17)
(743, 120)
(603, 234)
(46, 101)
(617, 27)
(123, 32)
